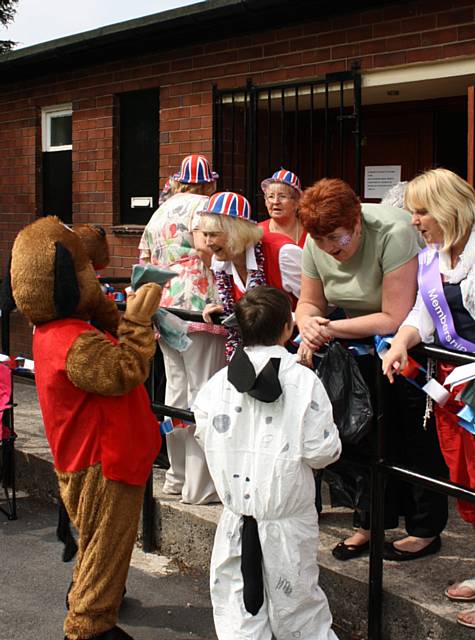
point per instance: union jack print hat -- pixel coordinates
(228, 203)
(285, 177)
(195, 169)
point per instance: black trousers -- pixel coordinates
(408, 445)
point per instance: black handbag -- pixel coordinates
(348, 393)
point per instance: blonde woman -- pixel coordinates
(243, 258)
(443, 210)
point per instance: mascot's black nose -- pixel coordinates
(100, 229)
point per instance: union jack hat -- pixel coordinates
(285, 177)
(228, 203)
(195, 169)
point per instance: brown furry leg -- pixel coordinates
(106, 514)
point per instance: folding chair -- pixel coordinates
(7, 439)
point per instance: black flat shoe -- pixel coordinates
(344, 551)
(116, 633)
(113, 634)
(392, 553)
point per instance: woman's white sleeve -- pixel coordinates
(290, 265)
(419, 318)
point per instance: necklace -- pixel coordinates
(294, 236)
(225, 286)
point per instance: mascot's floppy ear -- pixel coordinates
(7, 301)
(66, 286)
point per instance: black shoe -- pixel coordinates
(392, 553)
(112, 634)
(344, 551)
(115, 634)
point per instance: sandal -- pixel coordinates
(344, 551)
(467, 623)
(468, 584)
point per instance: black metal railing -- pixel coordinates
(380, 468)
(311, 127)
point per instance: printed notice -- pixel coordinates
(378, 179)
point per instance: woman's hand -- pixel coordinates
(314, 332)
(305, 355)
(204, 252)
(394, 361)
(209, 310)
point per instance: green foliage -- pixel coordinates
(7, 13)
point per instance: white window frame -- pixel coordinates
(47, 114)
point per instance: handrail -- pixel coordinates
(380, 469)
(438, 353)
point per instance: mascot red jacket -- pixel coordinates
(98, 422)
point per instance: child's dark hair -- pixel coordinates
(262, 314)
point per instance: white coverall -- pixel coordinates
(260, 456)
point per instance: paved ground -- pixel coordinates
(415, 606)
(33, 582)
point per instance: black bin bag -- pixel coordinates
(352, 413)
(348, 393)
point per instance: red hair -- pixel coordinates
(328, 204)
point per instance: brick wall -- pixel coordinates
(400, 34)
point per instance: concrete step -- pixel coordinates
(414, 604)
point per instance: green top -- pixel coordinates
(388, 241)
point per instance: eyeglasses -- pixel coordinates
(277, 197)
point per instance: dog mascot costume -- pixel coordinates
(101, 430)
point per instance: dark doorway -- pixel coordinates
(139, 155)
(311, 128)
(450, 134)
(416, 135)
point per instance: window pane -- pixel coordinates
(61, 131)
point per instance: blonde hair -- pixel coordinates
(240, 234)
(203, 189)
(448, 198)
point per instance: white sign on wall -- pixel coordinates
(379, 178)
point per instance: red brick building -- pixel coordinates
(91, 125)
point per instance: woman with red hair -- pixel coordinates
(362, 259)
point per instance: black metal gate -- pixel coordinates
(311, 128)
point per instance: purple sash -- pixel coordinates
(432, 291)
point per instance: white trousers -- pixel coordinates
(186, 372)
(294, 604)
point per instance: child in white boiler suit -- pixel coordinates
(264, 423)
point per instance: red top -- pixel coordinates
(82, 428)
(265, 225)
(272, 243)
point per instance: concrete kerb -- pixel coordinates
(414, 605)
